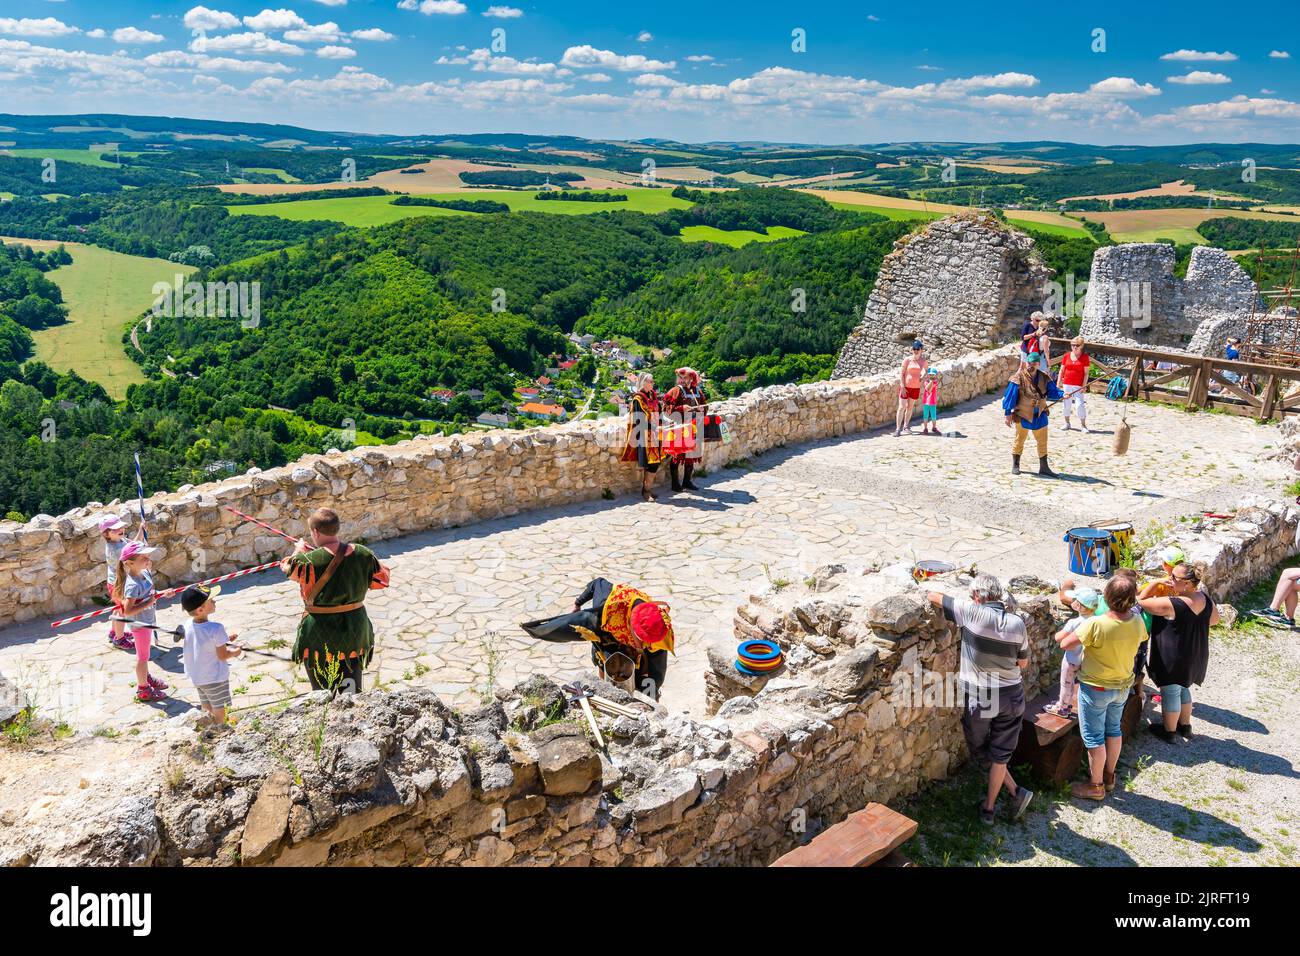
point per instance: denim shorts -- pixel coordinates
(1099, 714)
(1174, 697)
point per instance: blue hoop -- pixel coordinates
(760, 652)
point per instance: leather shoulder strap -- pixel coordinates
(329, 573)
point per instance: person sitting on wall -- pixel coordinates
(1025, 402)
(630, 633)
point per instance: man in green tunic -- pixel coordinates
(335, 637)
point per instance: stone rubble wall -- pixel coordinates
(963, 283)
(1234, 554)
(1195, 314)
(397, 778)
(52, 565)
(857, 715)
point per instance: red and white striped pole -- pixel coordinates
(169, 592)
(262, 524)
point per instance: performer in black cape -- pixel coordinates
(630, 633)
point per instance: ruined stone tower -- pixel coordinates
(963, 283)
(1134, 298)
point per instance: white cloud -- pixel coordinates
(374, 33)
(1268, 92)
(587, 57)
(653, 79)
(201, 18)
(1244, 115)
(180, 60)
(27, 27)
(927, 67)
(97, 34)
(336, 52)
(503, 13)
(333, 3)
(699, 58)
(450, 8)
(132, 35)
(255, 43)
(277, 20)
(645, 36)
(595, 77)
(318, 33)
(1193, 56)
(1279, 54)
(1123, 86)
(484, 61)
(1199, 78)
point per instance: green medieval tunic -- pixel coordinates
(325, 635)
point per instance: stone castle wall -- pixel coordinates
(52, 565)
(398, 778)
(963, 283)
(1133, 298)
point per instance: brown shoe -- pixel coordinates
(1108, 781)
(1087, 790)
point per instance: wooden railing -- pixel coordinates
(1239, 388)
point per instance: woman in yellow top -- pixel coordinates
(642, 442)
(1110, 642)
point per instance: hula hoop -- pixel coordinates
(746, 670)
(758, 652)
(770, 666)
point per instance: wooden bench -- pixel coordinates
(870, 836)
(1051, 745)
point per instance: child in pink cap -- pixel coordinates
(113, 530)
(134, 592)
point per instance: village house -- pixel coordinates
(474, 394)
(444, 395)
(539, 410)
(494, 419)
(529, 393)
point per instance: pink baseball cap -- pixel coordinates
(135, 549)
(110, 523)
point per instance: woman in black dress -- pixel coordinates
(1180, 649)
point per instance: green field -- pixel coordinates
(1051, 228)
(737, 237)
(1179, 234)
(103, 291)
(84, 156)
(279, 174)
(892, 212)
(379, 210)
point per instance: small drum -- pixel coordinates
(1089, 550)
(928, 569)
(1121, 534)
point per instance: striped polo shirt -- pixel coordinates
(993, 640)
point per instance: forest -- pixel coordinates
(1230, 232)
(360, 325)
(163, 222)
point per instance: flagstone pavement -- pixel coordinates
(450, 619)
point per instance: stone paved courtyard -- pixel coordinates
(450, 619)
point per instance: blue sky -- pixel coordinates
(695, 71)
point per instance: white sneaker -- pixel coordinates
(1066, 427)
(1086, 429)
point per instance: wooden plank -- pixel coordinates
(1270, 394)
(1237, 390)
(863, 838)
(1098, 350)
(1047, 726)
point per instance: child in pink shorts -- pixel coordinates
(134, 592)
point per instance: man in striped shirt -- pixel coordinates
(994, 652)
